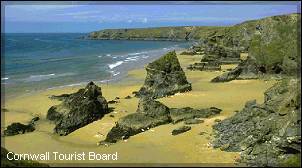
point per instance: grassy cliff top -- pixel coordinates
(188, 32)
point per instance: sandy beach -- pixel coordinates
(156, 145)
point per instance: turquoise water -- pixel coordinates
(42, 61)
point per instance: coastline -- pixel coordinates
(117, 69)
(167, 148)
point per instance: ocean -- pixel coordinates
(36, 61)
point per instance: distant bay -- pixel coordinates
(38, 61)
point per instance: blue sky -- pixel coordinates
(24, 17)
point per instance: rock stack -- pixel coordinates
(164, 77)
(78, 109)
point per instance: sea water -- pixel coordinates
(38, 61)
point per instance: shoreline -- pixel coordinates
(114, 79)
(228, 96)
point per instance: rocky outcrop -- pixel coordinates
(266, 134)
(78, 109)
(186, 113)
(5, 162)
(272, 41)
(18, 128)
(180, 130)
(205, 66)
(247, 69)
(193, 121)
(151, 113)
(164, 77)
(196, 49)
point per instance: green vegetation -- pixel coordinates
(168, 62)
(272, 41)
(276, 44)
(292, 161)
(160, 33)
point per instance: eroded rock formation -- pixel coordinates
(78, 109)
(164, 77)
(247, 69)
(266, 134)
(151, 113)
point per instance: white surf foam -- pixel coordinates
(35, 78)
(118, 63)
(4, 78)
(137, 53)
(132, 58)
(117, 73)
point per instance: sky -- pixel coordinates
(83, 17)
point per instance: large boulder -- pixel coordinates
(266, 134)
(247, 69)
(164, 77)
(18, 128)
(78, 109)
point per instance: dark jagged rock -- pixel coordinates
(247, 69)
(151, 113)
(128, 97)
(135, 92)
(193, 121)
(35, 119)
(267, 134)
(18, 163)
(60, 97)
(113, 102)
(180, 114)
(164, 77)
(202, 133)
(180, 130)
(4, 110)
(18, 128)
(78, 109)
(205, 66)
(216, 51)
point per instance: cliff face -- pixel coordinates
(272, 41)
(243, 37)
(266, 134)
(276, 45)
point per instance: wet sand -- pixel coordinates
(156, 145)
